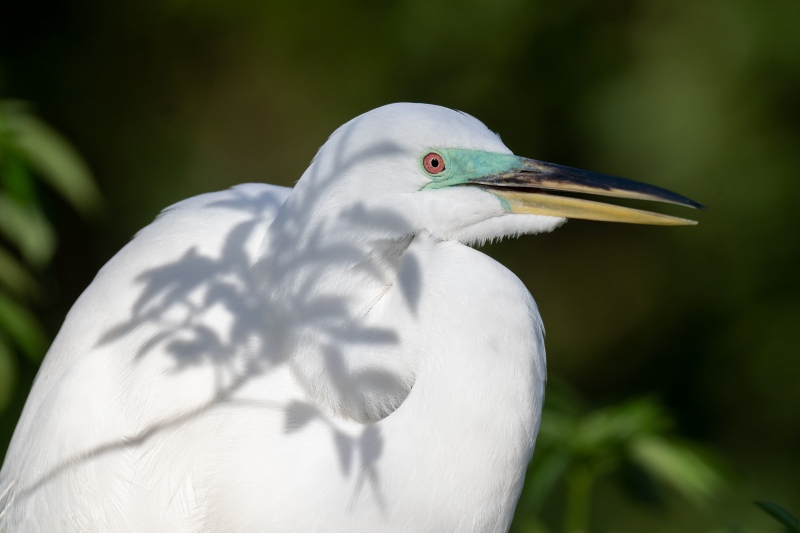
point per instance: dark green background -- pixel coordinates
(171, 98)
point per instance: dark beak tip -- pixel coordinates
(696, 205)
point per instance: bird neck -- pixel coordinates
(469, 424)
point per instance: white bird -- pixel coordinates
(332, 357)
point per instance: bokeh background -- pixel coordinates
(698, 328)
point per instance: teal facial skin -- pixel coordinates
(462, 166)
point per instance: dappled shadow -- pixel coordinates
(275, 281)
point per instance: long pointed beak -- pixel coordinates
(531, 188)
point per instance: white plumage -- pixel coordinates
(332, 357)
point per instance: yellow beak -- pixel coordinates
(564, 206)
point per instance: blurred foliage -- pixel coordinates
(172, 98)
(28, 148)
(791, 523)
(578, 445)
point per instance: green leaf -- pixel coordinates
(13, 275)
(618, 424)
(678, 465)
(22, 328)
(15, 178)
(8, 374)
(53, 158)
(543, 476)
(781, 515)
(28, 228)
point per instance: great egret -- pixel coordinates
(332, 357)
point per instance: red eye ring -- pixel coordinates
(433, 163)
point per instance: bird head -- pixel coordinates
(444, 172)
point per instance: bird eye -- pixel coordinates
(433, 163)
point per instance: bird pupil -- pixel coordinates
(434, 163)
